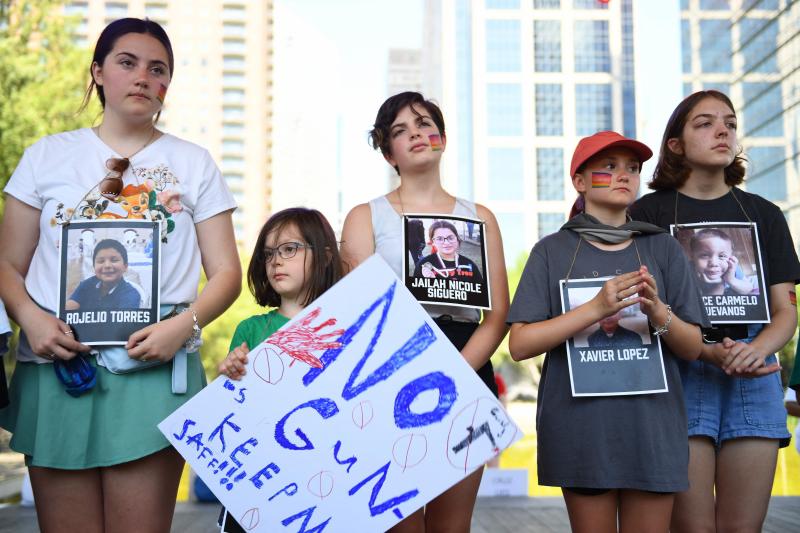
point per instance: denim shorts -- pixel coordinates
(723, 407)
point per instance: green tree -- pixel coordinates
(217, 335)
(43, 75)
(525, 372)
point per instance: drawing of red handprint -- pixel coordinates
(300, 340)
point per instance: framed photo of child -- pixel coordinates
(445, 260)
(726, 258)
(616, 356)
(109, 278)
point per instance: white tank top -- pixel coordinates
(387, 230)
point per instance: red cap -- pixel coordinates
(589, 146)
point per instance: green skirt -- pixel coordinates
(113, 423)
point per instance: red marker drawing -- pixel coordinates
(301, 339)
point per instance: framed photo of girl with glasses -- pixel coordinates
(445, 260)
(109, 279)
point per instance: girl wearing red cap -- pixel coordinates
(619, 459)
(734, 398)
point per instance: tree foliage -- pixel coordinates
(43, 74)
(217, 335)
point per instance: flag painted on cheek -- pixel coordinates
(436, 142)
(601, 180)
(162, 93)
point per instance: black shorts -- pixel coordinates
(459, 333)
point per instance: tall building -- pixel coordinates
(404, 70)
(521, 82)
(221, 93)
(404, 73)
(750, 49)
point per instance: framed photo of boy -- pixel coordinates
(616, 356)
(109, 275)
(444, 260)
(726, 259)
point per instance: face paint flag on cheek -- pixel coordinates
(601, 180)
(162, 93)
(793, 298)
(436, 142)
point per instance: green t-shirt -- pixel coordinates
(255, 329)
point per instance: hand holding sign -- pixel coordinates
(234, 364)
(347, 429)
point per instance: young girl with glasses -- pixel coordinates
(734, 396)
(295, 260)
(618, 459)
(410, 133)
(97, 461)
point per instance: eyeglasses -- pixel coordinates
(112, 184)
(449, 238)
(286, 250)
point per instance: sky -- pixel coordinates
(331, 77)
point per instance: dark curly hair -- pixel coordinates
(379, 135)
(672, 171)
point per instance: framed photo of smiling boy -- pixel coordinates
(726, 258)
(109, 273)
(445, 260)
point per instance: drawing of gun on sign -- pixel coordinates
(358, 412)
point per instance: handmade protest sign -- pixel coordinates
(445, 260)
(726, 258)
(352, 416)
(616, 356)
(109, 278)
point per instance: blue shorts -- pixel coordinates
(723, 407)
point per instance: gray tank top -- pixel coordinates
(387, 229)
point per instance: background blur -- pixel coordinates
(282, 93)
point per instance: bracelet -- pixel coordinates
(194, 341)
(661, 330)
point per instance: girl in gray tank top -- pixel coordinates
(410, 133)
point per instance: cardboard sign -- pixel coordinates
(109, 278)
(618, 355)
(445, 260)
(726, 258)
(351, 417)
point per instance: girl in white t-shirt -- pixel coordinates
(97, 461)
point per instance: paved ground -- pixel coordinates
(492, 515)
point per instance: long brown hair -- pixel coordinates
(672, 171)
(326, 264)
